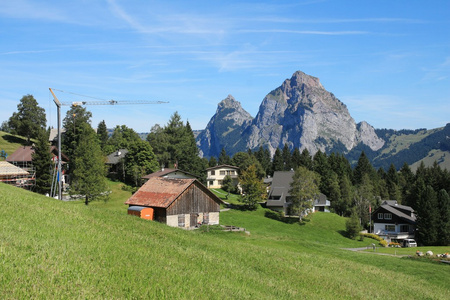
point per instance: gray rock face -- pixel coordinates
(224, 129)
(300, 113)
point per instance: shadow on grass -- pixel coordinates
(279, 217)
(14, 139)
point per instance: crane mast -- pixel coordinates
(78, 103)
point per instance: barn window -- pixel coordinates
(181, 220)
(205, 218)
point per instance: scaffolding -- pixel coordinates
(13, 175)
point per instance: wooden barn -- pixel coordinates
(178, 202)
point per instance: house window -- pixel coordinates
(213, 173)
(389, 227)
(380, 216)
(222, 172)
(388, 216)
(211, 182)
(220, 182)
(180, 220)
(404, 228)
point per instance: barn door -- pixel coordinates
(193, 221)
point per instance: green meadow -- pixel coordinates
(51, 249)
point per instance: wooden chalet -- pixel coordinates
(393, 221)
(178, 202)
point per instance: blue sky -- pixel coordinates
(388, 61)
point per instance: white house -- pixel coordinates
(393, 221)
(215, 175)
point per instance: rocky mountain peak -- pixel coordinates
(299, 78)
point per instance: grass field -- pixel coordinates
(52, 249)
(10, 143)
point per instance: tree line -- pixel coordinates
(350, 190)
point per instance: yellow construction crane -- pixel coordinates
(78, 103)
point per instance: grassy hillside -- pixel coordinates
(10, 142)
(53, 249)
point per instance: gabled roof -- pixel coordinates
(281, 183)
(162, 192)
(223, 167)
(164, 172)
(21, 154)
(24, 154)
(116, 156)
(8, 169)
(392, 209)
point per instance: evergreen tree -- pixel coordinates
(444, 220)
(303, 189)
(263, 156)
(253, 188)
(42, 162)
(334, 189)
(427, 217)
(306, 160)
(392, 183)
(406, 181)
(277, 161)
(287, 158)
(344, 204)
(188, 154)
(102, 134)
(363, 167)
(29, 119)
(364, 199)
(212, 162)
(352, 225)
(89, 175)
(296, 158)
(224, 159)
(74, 123)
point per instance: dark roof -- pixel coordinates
(24, 154)
(116, 156)
(21, 154)
(162, 192)
(281, 183)
(392, 209)
(162, 173)
(223, 166)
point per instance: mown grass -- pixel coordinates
(53, 249)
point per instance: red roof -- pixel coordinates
(162, 192)
(159, 192)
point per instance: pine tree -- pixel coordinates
(392, 184)
(42, 162)
(102, 134)
(88, 176)
(224, 159)
(212, 162)
(74, 123)
(427, 217)
(444, 220)
(363, 167)
(277, 161)
(306, 159)
(296, 158)
(263, 156)
(287, 158)
(352, 225)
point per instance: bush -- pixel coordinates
(352, 226)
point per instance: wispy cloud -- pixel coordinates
(306, 32)
(24, 9)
